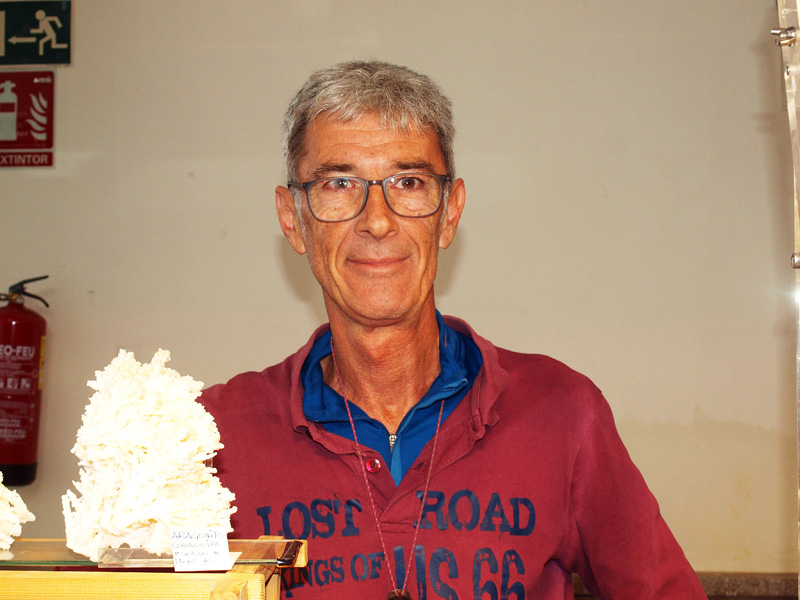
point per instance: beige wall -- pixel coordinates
(629, 212)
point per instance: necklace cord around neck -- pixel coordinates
(424, 498)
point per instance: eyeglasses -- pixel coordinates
(335, 199)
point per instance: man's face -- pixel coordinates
(378, 268)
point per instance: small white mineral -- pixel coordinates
(13, 513)
(143, 450)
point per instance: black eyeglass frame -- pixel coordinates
(442, 179)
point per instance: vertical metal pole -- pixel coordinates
(788, 38)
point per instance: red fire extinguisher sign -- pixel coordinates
(26, 118)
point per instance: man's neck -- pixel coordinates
(384, 370)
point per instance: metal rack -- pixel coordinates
(786, 37)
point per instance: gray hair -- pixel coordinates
(401, 97)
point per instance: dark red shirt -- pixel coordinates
(530, 484)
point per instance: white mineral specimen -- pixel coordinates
(142, 450)
(13, 513)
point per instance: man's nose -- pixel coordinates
(377, 218)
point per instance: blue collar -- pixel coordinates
(460, 362)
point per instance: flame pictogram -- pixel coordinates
(39, 121)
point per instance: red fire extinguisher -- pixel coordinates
(22, 333)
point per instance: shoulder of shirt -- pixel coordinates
(280, 376)
(544, 372)
(536, 380)
(531, 365)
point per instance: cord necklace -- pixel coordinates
(395, 593)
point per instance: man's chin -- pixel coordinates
(371, 315)
(379, 317)
(379, 305)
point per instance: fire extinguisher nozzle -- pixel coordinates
(19, 289)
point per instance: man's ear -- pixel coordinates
(289, 219)
(452, 215)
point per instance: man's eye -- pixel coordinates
(408, 183)
(342, 183)
(339, 184)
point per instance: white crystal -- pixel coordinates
(13, 513)
(143, 450)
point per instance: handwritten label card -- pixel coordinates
(201, 550)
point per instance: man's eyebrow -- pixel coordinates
(327, 169)
(331, 168)
(416, 165)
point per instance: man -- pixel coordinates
(418, 459)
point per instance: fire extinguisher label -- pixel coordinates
(20, 382)
(21, 365)
(19, 374)
(16, 420)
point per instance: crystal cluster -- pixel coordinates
(144, 451)
(13, 513)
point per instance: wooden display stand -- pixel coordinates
(255, 576)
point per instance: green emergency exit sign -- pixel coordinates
(35, 33)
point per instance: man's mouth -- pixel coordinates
(377, 262)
